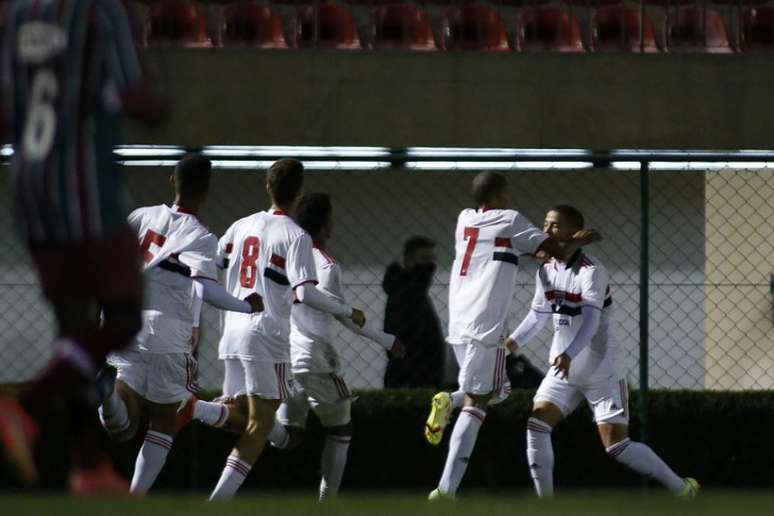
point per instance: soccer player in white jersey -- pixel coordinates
(574, 290)
(267, 253)
(316, 364)
(488, 242)
(156, 374)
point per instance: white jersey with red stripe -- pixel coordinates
(176, 247)
(270, 254)
(483, 276)
(564, 289)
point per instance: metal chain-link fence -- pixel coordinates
(711, 243)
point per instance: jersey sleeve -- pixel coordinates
(299, 263)
(123, 65)
(525, 236)
(225, 248)
(135, 220)
(540, 303)
(593, 283)
(201, 257)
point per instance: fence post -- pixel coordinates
(644, 296)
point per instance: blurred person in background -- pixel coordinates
(69, 70)
(411, 316)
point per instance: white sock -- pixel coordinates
(211, 413)
(113, 414)
(150, 460)
(540, 457)
(642, 459)
(461, 444)
(233, 475)
(334, 460)
(458, 398)
(279, 435)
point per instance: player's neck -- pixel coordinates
(280, 210)
(187, 205)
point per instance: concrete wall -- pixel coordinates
(231, 96)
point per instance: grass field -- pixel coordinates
(636, 503)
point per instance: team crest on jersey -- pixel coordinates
(39, 41)
(559, 298)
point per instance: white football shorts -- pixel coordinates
(267, 380)
(325, 393)
(482, 370)
(163, 378)
(608, 398)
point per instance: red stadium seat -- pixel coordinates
(687, 30)
(758, 29)
(325, 26)
(547, 29)
(176, 23)
(250, 25)
(617, 29)
(473, 27)
(401, 26)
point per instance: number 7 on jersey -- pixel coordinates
(471, 235)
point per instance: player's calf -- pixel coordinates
(642, 459)
(334, 459)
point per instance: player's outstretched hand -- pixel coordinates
(256, 302)
(398, 349)
(587, 236)
(511, 344)
(562, 366)
(358, 317)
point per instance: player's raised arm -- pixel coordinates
(138, 96)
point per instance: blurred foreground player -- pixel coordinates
(316, 364)
(267, 253)
(156, 374)
(488, 242)
(574, 290)
(69, 68)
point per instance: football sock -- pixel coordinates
(642, 459)
(458, 398)
(113, 414)
(211, 413)
(334, 460)
(150, 460)
(461, 444)
(233, 475)
(279, 435)
(540, 457)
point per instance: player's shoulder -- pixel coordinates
(149, 211)
(589, 263)
(323, 259)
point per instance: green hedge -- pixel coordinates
(720, 438)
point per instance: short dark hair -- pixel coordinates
(486, 185)
(571, 214)
(416, 243)
(314, 212)
(192, 175)
(285, 180)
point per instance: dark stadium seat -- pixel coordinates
(757, 33)
(401, 26)
(176, 23)
(473, 27)
(547, 29)
(617, 29)
(250, 25)
(326, 26)
(685, 31)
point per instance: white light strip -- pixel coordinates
(465, 152)
(710, 165)
(150, 151)
(625, 165)
(294, 151)
(265, 164)
(498, 165)
(6, 151)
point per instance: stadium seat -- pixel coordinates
(617, 29)
(325, 26)
(758, 29)
(547, 29)
(687, 30)
(473, 27)
(401, 26)
(176, 23)
(250, 25)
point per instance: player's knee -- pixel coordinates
(257, 429)
(341, 430)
